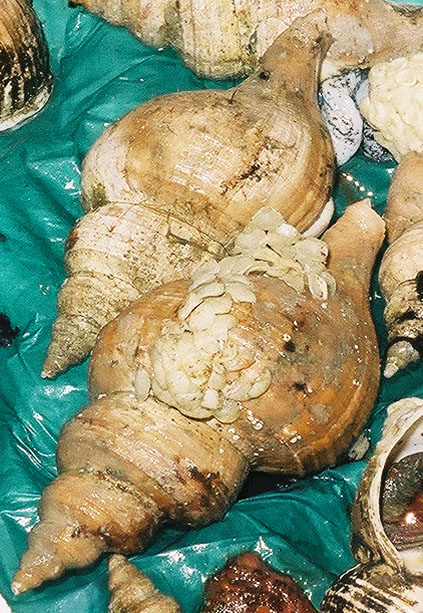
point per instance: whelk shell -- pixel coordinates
(25, 79)
(386, 523)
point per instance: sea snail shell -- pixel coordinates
(388, 578)
(25, 80)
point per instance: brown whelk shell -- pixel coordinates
(389, 577)
(25, 79)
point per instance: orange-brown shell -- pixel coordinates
(129, 464)
(322, 356)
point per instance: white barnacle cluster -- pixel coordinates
(394, 106)
(199, 364)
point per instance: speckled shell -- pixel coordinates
(183, 173)
(385, 580)
(373, 589)
(223, 38)
(400, 273)
(25, 80)
(128, 464)
(369, 540)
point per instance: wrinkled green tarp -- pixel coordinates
(100, 73)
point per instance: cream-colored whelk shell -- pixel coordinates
(192, 359)
(25, 80)
(179, 176)
(133, 592)
(389, 577)
(129, 463)
(400, 273)
(226, 38)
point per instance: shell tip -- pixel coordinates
(390, 370)
(16, 588)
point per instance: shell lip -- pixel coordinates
(402, 436)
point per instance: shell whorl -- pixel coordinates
(374, 589)
(132, 591)
(364, 33)
(106, 258)
(198, 165)
(25, 77)
(125, 450)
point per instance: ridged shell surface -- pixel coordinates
(25, 80)
(369, 589)
(226, 38)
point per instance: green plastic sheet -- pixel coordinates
(303, 528)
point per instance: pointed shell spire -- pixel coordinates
(129, 462)
(401, 269)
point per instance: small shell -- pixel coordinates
(25, 79)
(132, 591)
(342, 117)
(389, 578)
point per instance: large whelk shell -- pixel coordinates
(389, 577)
(25, 80)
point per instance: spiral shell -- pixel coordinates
(389, 578)
(205, 161)
(25, 80)
(132, 591)
(225, 39)
(128, 462)
(400, 273)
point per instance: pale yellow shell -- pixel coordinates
(133, 591)
(224, 39)
(177, 177)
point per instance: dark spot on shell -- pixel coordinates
(290, 346)
(251, 171)
(7, 333)
(3, 237)
(264, 75)
(408, 315)
(419, 285)
(71, 239)
(301, 387)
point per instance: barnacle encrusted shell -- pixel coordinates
(25, 80)
(388, 578)
(192, 359)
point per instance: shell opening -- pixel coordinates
(402, 498)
